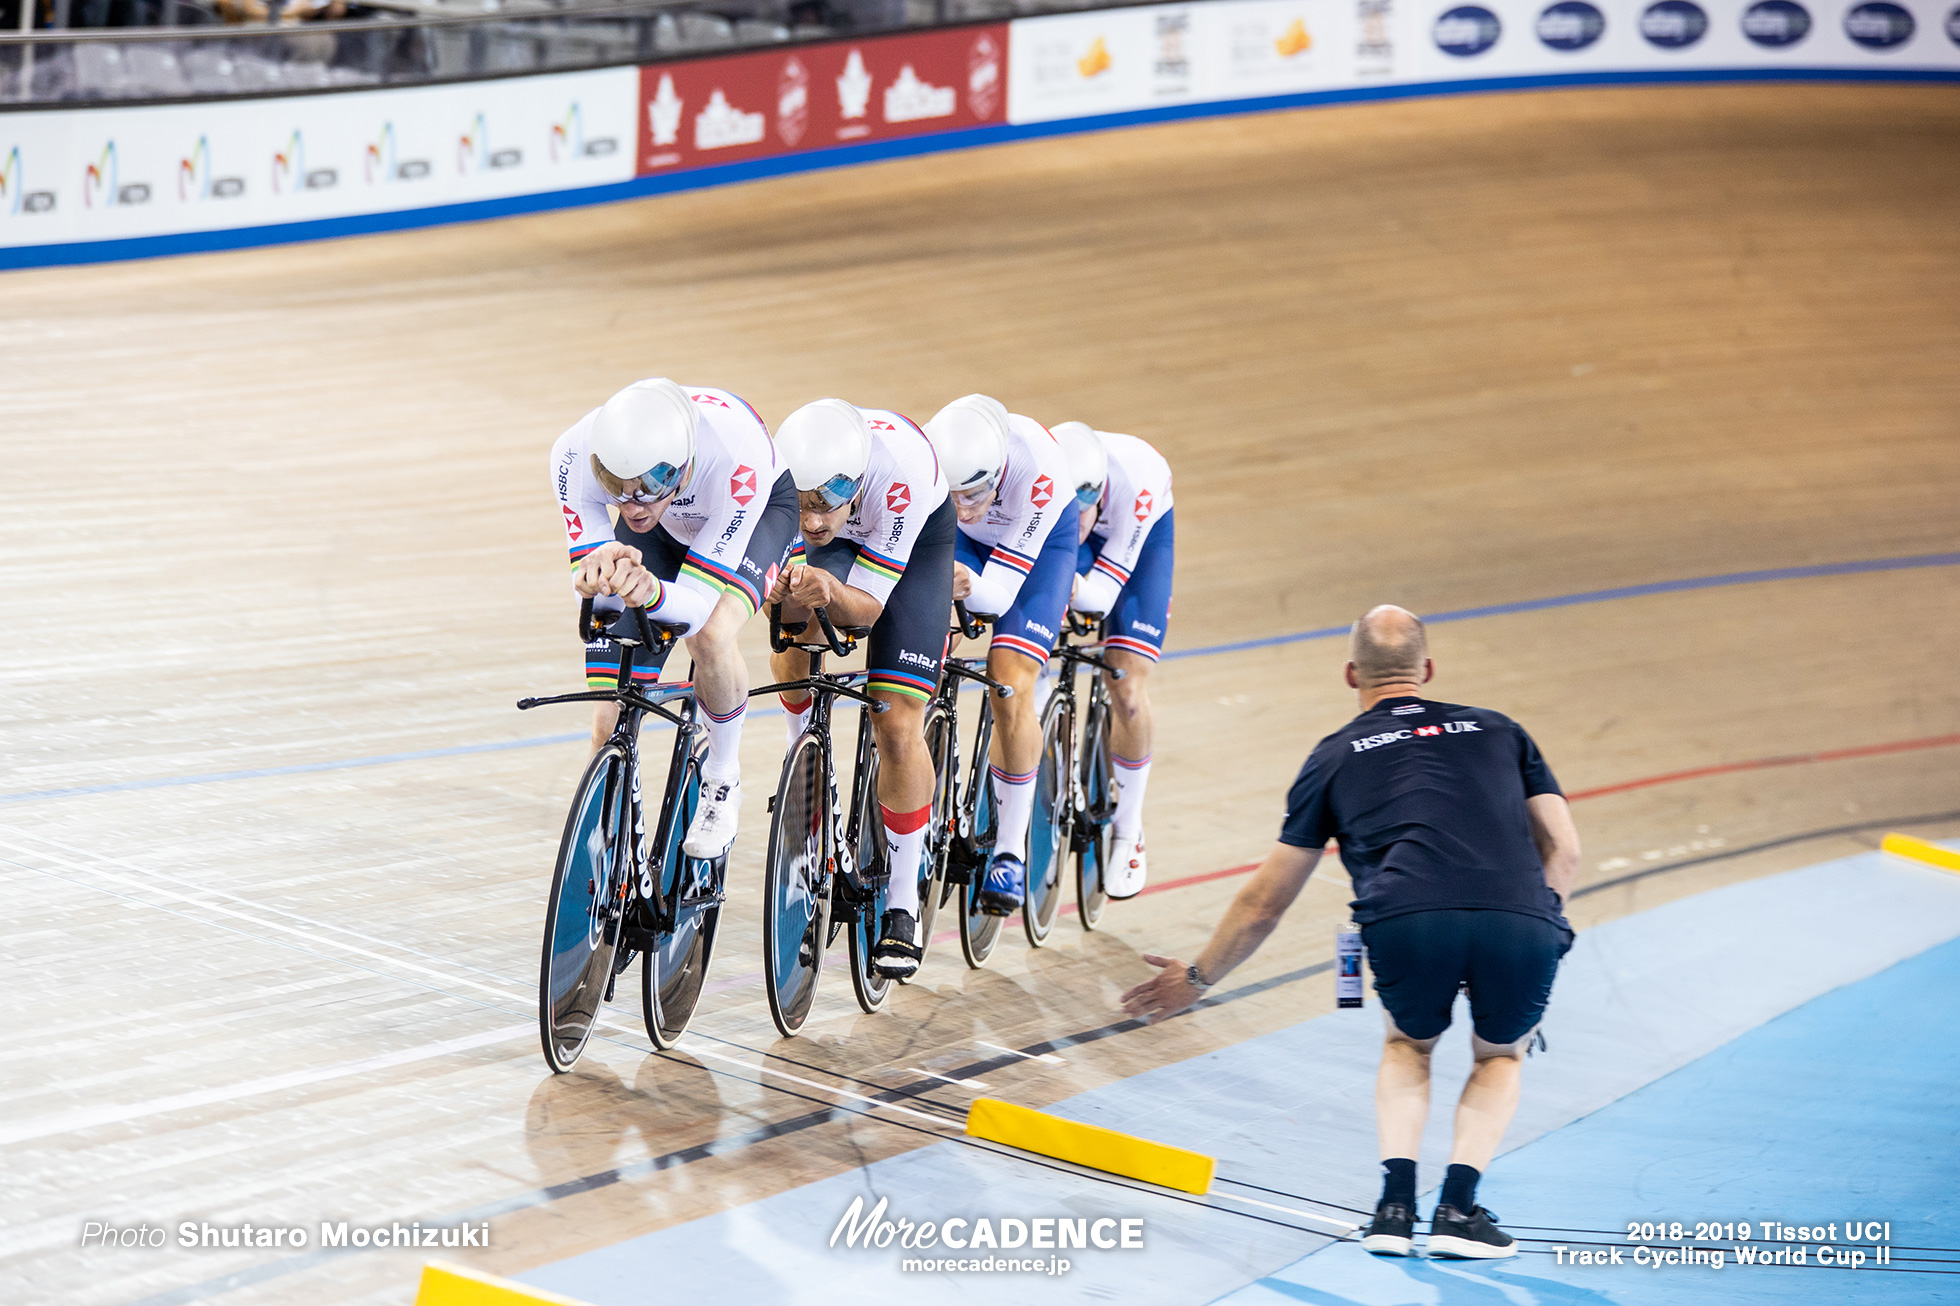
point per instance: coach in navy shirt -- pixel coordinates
(1461, 850)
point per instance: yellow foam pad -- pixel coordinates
(1904, 845)
(1090, 1145)
(445, 1283)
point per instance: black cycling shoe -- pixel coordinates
(1392, 1231)
(1473, 1237)
(896, 954)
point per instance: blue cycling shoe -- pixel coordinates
(1000, 894)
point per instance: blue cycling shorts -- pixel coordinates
(1142, 611)
(1030, 626)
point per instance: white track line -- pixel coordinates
(963, 1083)
(1344, 1226)
(89, 1117)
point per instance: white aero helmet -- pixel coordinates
(970, 437)
(827, 447)
(646, 432)
(1088, 460)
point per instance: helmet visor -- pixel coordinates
(838, 490)
(972, 496)
(1088, 496)
(657, 483)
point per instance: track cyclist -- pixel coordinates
(1015, 563)
(876, 550)
(706, 516)
(1128, 545)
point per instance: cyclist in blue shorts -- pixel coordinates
(1015, 562)
(1128, 545)
(876, 550)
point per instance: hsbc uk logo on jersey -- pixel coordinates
(741, 485)
(1420, 732)
(1143, 505)
(898, 497)
(572, 521)
(1043, 492)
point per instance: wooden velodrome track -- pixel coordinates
(271, 512)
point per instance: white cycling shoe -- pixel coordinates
(1128, 868)
(712, 831)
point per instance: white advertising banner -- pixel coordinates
(103, 174)
(1123, 60)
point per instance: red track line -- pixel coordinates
(1726, 768)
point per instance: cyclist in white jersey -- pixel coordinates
(705, 517)
(1016, 563)
(876, 550)
(1123, 489)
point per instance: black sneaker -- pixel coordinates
(1468, 1237)
(896, 954)
(1391, 1232)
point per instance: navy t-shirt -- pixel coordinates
(1427, 801)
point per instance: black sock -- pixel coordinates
(1460, 1188)
(1399, 1181)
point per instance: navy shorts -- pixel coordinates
(662, 554)
(1142, 611)
(1030, 626)
(1507, 959)
(909, 637)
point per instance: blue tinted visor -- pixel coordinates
(838, 490)
(1088, 496)
(660, 481)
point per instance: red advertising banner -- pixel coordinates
(751, 106)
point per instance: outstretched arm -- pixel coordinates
(1558, 841)
(1250, 918)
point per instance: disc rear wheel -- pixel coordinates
(872, 989)
(1095, 835)
(1048, 827)
(979, 932)
(582, 916)
(676, 968)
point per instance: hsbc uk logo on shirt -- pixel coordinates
(1423, 732)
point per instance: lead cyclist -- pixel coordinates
(1128, 549)
(705, 517)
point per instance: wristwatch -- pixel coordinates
(1194, 979)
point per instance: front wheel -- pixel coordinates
(796, 887)
(676, 967)
(1048, 828)
(1095, 833)
(582, 917)
(979, 932)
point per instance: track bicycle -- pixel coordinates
(962, 801)
(824, 874)
(1090, 796)
(601, 913)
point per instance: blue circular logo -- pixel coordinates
(1776, 22)
(1570, 25)
(1466, 30)
(1878, 25)
(1674, 24)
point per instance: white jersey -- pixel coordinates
(1031, 493)
(902, 487)
(734, 471)
(1135, 497)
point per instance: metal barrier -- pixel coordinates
(192, 53)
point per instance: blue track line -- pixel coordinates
(1913, 563)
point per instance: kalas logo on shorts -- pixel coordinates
(898, 497)
(1879, 26)
(1674, 24)
(1775, 23)
(1043, 491)
(1466, 30)
(1570, 25)
(741, 486)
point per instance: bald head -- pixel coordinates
(1387, 647)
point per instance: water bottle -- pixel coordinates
(1347, 967)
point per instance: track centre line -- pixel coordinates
(1912, 562)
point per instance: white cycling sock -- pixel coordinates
(799, 717)
(905, 845)
(724, 761)
(1131, 778)
(1013, 806)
